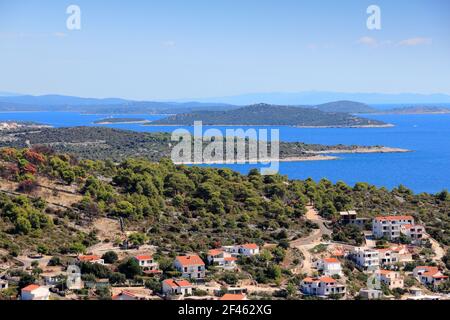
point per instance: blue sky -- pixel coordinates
(175, 49)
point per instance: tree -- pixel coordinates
(26, 280)
(130, 268)
(110, 257)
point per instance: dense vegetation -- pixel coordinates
(264, 114)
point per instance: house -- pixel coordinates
(394, 255)
(191, 266)
(350, 217)
(414, 232)
(392, 227)
(248, 249)
(371, 294)
(52, 277)
(35, 292)
(366, 259)
(329, 266)
(3, 284)
(147, 263)
(323, 286)
(91, 259)
(221, 259)
(125, 296)
(429, 275)
(417, 294)
(233, 297)
(391, 279)
(176, 287)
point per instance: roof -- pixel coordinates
(384, 272)
(330, 260)
(31, 287)
(191, 260)
(346, 213)
(230, 259)
(144, 257)
(177, 283)
(124, 293)
(250, 246)
(89, 258)
(215, 252)
(429, 271)
(322, 279)
(394, 218)
(327, 279)
(229, 296)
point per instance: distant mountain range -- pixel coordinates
(270, 115)
(320, 97)
(313, 100)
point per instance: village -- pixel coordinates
(385, 265)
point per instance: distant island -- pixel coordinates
(120, 120)
(270, 115)
(416, 110)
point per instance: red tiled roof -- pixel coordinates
(192, 260)
(88, 258)
(215, 252)
(31, 287)
(330, 260)
(177, 283)
(394, 218)
(144, 257)
(250, 246)
(230, 259)
(327, 280)
(429, 271)
(230, 297)
(384, 272)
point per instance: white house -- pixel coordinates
(147, 264)
(323, 286)
(393, 255)
(366, 259)
(391, 279)
(429, 275)
(415, 232)
(221, 259)
(91, 259)
(35, 292)
(371, 294)
(176, 287)
(248, 249)
(391, 228)
(191, 266)
(329, 266)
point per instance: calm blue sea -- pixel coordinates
(427, 169)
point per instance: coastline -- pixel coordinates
(362, 150)
(288, 159)
(150, 124)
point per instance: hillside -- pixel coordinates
(264, 114)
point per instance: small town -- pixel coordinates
(384, 268)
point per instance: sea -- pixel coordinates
(425, 169)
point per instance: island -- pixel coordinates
(120, 120)
(102, 143)
(270, 115)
